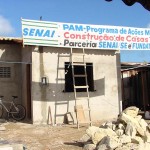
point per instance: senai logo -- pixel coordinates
(38, 32)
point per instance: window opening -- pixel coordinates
(79, 81)
(5, 72)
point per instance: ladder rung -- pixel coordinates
(64, 55)
(78, 64)
(80, 98)
(80, 75)
(81, 87)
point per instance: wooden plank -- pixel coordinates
(49, 121)
(81, 87)
(80, 114)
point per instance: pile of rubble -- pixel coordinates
(129, 132)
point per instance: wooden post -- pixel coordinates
(49, 121)
(143, 90)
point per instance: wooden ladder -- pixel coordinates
(76, 87)
(61, 103)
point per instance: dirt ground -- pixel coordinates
(43, 137)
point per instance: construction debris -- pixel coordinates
(2, 128)
(129, 131)
(12, 147)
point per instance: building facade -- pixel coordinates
(40, 77)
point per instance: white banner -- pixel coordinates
(57, 34)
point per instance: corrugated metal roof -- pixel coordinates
(11, 40)
(133, 67)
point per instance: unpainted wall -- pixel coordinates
(104, 101)
(10, 56)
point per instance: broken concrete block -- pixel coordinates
(121, 126)
(119, 132)
(131, 111)
(18, 147)
(137, 140)
(103, 125)
(138, 118)
(102, 132)
(133, 121)
(108, 125)
(143, 124)
(85, 138)
(102, 147)
(12, 147)
(130, 130)
(91, 131)
(129, 146)
(113, 127)
(125, 139)
(144, 146)
(89, 147)
(147, 137)
(110, 142)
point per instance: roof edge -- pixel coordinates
(11, 39)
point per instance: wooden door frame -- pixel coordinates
(28, 85)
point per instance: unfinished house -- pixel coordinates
(42, 79)
(15, 72)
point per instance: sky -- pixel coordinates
(97, 12)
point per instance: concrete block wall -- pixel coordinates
(10, 56)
